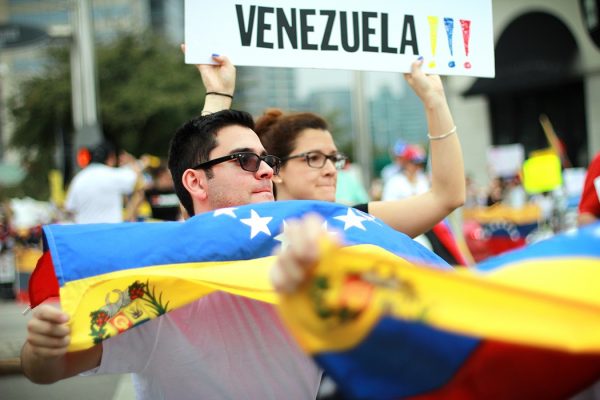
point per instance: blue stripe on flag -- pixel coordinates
(242, 233)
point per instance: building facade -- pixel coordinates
(547, 64)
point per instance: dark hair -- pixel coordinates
(278, 131)
(101, 152)
(193, 142)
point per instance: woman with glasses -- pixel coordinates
(311, 160)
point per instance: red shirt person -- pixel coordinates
(589, 205)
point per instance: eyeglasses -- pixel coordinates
(248, 161)
(317, 159)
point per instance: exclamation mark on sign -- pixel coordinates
(433, 26)
(449, 24)
(466, 33)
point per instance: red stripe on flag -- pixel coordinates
(43, 283)
(498, 370)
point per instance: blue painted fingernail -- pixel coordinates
(420, 58)
(215, 55)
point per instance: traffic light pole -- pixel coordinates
(83, 80)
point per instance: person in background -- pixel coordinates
(411, 181)
(589, 205)
(161, 195)
(96, 193)
(397, 164)
(495, 191)
(350, 188)
(515, 196)
(156, 199)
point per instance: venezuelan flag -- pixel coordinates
(525, 325)
(113, 277)
(385, 317)
(501, 228)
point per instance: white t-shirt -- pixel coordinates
(399, 187)
(219, 347)
(96, 193)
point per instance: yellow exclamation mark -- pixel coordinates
(433, 28)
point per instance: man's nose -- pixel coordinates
(265, 171)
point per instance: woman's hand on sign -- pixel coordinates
(429, 88)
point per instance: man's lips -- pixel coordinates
(263, 190)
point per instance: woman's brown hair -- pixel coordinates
(278, 132)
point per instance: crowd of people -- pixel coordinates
(224, 158)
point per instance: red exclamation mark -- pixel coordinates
(466, 32)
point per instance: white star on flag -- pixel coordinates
(332, 233)
(369, 217)
(257, 224)
(352, 220)
(226, 211)
(281, 237)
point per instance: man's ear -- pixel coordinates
(194, 182)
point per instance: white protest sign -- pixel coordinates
(506, 160)
(573, 179)
(454, 37)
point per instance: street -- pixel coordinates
(17, 387)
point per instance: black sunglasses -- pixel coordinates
(317, 159)
(248, 161)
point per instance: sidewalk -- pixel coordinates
(12, 334)
(13, 385)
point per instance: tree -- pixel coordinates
(145, 93)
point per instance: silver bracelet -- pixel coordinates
(444, 136)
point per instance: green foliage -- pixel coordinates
(145, 92)
(41, 111)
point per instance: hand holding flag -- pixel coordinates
(376, 323)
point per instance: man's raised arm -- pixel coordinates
(219, 82)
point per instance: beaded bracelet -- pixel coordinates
(444, 136)
(220, 94)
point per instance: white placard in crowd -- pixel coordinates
(7, 267)
(506, 160)
(454, 37)
(573, 179)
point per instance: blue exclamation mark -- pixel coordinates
(449, 24)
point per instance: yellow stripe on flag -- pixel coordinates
(108, 304)
(544, 303)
